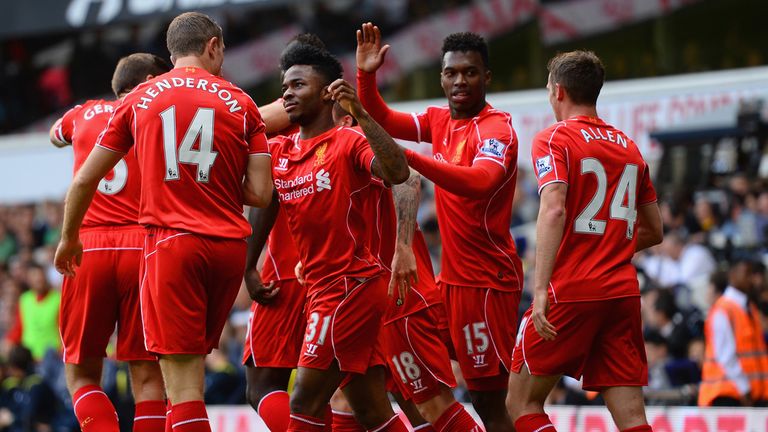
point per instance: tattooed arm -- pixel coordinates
(404, 271)
(390, 163)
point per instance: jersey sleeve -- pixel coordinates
(549, 160)
(255, 130)
(497, 141)
(66, 129)
(647, 193)
(117, 136)
(360, 151)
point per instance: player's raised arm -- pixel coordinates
(390, 163)
(274, 116)
(370, 56)
(79, 197)
(404, 272)
(476, 181)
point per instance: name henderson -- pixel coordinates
(158, 87)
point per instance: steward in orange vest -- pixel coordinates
(735, 370)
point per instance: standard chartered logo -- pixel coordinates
(323, 180)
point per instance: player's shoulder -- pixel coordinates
(438, 112)
(554, 132)
(496, 122)
(350, 132)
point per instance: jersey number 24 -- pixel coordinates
(586, 222)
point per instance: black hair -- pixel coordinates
(466, 42)
(320, 59)
(665, 303)
(308, 39)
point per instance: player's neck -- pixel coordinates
(467, 114)
(579, 111)
(317, 126)
(189, 61)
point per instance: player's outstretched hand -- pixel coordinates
(299, 272)
(69, 254)
(544, 328)
(370, 54)
(346, 95)
(404, 272)
(260, 293)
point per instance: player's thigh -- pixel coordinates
(618, 357)
(577, 325)
(89, 307)
(627, 406)
(482, 327)
(224, 276)
(276, 331)
(367, 395)
(130, 327)
(417, 357)
(526, 393)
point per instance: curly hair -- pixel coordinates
(467, 42)
(320, 59)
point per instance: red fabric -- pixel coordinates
(476, 181)
(534, 423)
(643, 428)
(383, 241)
(395, 424)
(398, 124)
(189, 285)
(118, 196)
(346, 422)
(104, 292)
(94, 411)
(478, 249)
(281, 255)
(417, 357)
(168, 419)
(303, 423)
(17, 328)
(149, 416)
(190, 417)
(482, 324)
(202, 192)
(594, 261)
(601, 340)
(343, 323)
(456, 419)
(322, 184)
(276, 331)
(275, 411)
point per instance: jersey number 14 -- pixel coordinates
(200, 127)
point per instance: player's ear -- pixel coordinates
(173, 60)
(211, 45)
(487, 76)
(149, 77)
(559, 92)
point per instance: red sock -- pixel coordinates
(168, 419)
(149, 416)
(346, 422)
(303, 423)
(534, 422)
(94, 411)
(643, 428)
(190, 417)
(456, 419)
(426, 427)
(274, 409)
(392, 425)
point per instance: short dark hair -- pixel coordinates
(132, 70)
(189, 32)
(320, 59)
(466, 42)
(309, 39)
(580, 72)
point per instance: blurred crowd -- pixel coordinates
(44, 75)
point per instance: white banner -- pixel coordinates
(567, 20)
(565, 419)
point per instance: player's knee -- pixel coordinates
(307, 403)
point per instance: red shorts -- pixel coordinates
(417, 354)
(189, 284)
(276, 331)
(482, 323)
(344, 322)
(104, 293)
(599, 340)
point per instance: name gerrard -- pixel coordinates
(158, 87)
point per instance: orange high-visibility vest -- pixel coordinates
(750, 350)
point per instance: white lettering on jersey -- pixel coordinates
(153, 90)
(604, 135)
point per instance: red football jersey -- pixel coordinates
(281, 255)
(323, 184)
(383, 241)
(478, 248)
(607, 180)
(193, 133)
(117, 199)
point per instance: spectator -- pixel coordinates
(37, 320)
(26, 402)
(735, 371)
(668, 322)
